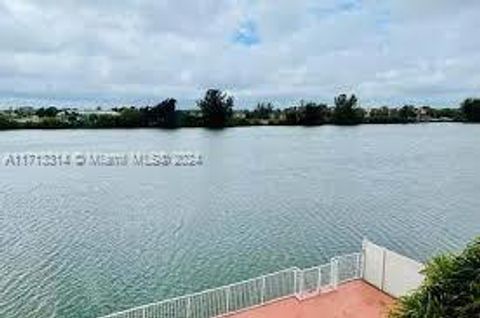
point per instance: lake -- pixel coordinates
(86, 241)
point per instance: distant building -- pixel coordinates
(97, 112)
(26, 110)
(29, 119)
(239, 114)
(423, 114)
(194, 113)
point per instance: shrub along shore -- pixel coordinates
(216, 110)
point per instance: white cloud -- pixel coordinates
(385, 51)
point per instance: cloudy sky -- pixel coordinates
(140, 51)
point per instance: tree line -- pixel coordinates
(216, 110)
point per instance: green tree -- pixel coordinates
(262, 111)
(189, 118)
(163, 114)
(380, 116)
(105, 121)
(346, 111)
(313, 114)
(451, 288)
(51, 122)
(129, 117)
(6, 123)
(160, 115)
(47, 112)
(471, 109)
(407, 114)
(217, 108)
(292, 116)
(452, 113)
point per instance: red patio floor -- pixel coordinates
(356, 299)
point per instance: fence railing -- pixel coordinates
(258, 291)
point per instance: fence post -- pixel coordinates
(301, 283)
(384, 256)
(363, 258)
(227, 299)
(189, 307)
(334, 272)
(143, 313)
(298, 283)
(359, 264)
(319, 282)
(295, 289)
(262, 295)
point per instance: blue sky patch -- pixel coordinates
(348, 5)
(340, 7)
(246, 34)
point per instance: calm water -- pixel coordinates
(81, 242)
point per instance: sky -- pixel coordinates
(110, 52)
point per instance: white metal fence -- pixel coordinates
(254, 292)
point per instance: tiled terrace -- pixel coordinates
(356, 299)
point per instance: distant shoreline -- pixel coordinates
(215, 110)
(132, 118)
(234, 126)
